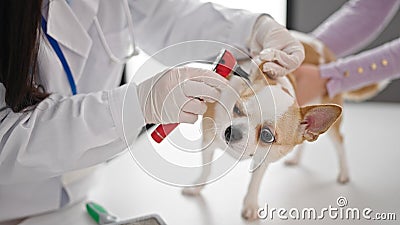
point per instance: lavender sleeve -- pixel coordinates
(355, 25)
(365, 68)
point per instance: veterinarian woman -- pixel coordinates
(347, 31)
(60, 67)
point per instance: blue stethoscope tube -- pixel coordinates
(57, 49)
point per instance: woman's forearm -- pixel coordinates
(355, 25)
(368, 67)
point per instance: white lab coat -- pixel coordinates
(64, 133)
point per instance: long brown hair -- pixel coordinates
(19, 38)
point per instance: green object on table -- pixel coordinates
(99, 214)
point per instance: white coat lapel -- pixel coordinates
(69, 28)
(85, 11)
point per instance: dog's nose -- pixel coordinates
(232, 134)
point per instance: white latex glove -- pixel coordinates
(275, 47)
(179, 94)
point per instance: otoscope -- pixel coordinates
(225, 64)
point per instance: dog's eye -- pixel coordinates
(237, 111)
(266, 135)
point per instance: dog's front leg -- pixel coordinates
(250, 203)
(207, 155)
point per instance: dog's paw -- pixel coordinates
(192, 191)
(292, 162)
(343, 178)
(250, 212)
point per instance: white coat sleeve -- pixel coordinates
(66, 133)
(160, 23)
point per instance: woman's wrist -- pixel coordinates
(332, 78)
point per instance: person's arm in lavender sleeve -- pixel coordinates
(355, 25)
(365, 68)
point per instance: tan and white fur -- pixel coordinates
(268, 105)
(316, 53)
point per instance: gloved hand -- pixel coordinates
(275, 47)
(178, 95)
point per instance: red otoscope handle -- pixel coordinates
(162, 131)
(223, 65)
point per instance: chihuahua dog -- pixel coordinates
(261, 119)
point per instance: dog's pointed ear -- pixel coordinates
(316, 119)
